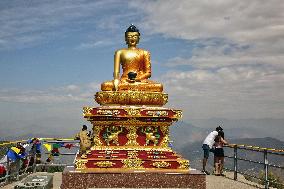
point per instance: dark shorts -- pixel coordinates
(206, 150)
(219, 152)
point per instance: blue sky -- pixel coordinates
(219, 59)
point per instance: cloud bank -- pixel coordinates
(235, 69)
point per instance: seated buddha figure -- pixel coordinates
(136, 67)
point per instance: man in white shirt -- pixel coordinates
(207, 146)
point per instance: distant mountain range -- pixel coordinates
(245, 128)
(186, 132)
(181, 131)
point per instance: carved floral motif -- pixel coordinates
(184, 164)
(133, 112)
(132, 136)
(108, 112)
(81, 164)
(96, 130)
(166, 139)
(133, 163)
(161, 164)
(87, 111)
(104, 164)
(157, 113)
(131, 98)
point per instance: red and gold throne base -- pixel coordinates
(131, 139)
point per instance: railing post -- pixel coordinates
(235, 162)
(266, 169)
(34, 164)
(8, 172)
(18, 164)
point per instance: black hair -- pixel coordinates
(217, 138)
(219, 128)
(221, 134)
(132, 28)
(84, 127)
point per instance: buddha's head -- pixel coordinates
(132, 36)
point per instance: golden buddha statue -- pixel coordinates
(136, 67)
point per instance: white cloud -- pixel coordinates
(72, 87)
(251, 31)
(94, 86)
(42, 112)
(235, 69)
(236, 66)
(238, 20)
(25, 24)
(70, 93)
(95, 44)
(231, 92)
(216, 57)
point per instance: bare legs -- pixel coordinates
(219, 164)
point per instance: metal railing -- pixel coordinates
(263, 152)
(15, 173)
(235, 156)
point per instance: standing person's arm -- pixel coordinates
(224, 141)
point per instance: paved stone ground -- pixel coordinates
(57, 177)
(228, 182)
(212, 182)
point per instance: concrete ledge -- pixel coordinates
(76, 180)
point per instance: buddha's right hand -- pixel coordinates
(115, 83)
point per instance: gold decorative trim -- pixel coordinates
(161, 164)
(131, 98)
(165, 141)
(127, 170)
(143, 148)
(156, 113)
(108, 112)
(87, 111)
(81, 164)
(133, 112)
(104, 164)
(131, 121)
(184, 164)
(178, 114)
(132, 136)
(132, 154)
(132, 163)
(96, 130)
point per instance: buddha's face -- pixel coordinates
(132, 38)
